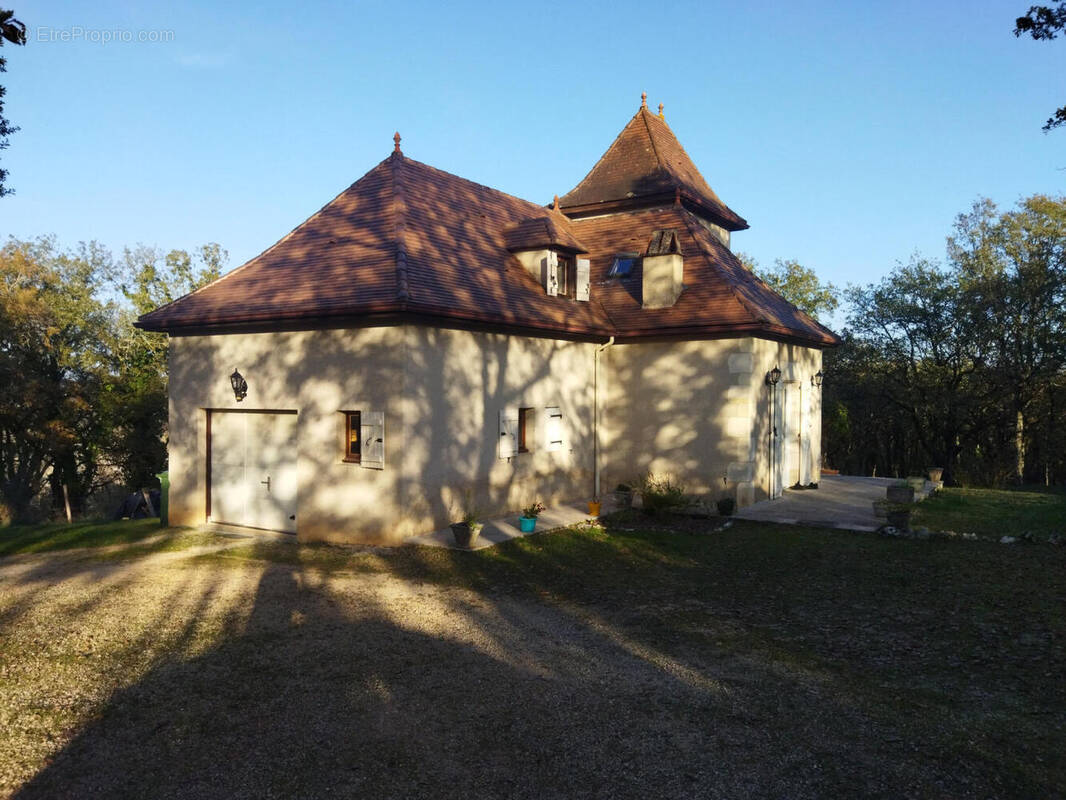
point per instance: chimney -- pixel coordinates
(664, 270)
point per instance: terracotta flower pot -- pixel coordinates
(935, 473)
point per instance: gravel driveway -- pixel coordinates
(167, 676)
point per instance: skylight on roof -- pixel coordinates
(622, 265)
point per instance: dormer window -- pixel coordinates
(622, 265)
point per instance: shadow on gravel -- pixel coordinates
(534, 689)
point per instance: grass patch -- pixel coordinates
(994, 512)
(60, 536)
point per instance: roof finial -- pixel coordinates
(555, 203)
(643, 99)
(396, 139)
(661, 111)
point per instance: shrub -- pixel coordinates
(661, 493)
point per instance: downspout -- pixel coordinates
(596, 412)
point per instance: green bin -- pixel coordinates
(164, 492)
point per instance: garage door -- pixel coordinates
(253, 469)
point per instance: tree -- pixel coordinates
(83, 394)
(150, 279)
(13, 31)
(797, 284)
(1013, 266)
(55, 335)
(1044, 23)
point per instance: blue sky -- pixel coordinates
(849, 135)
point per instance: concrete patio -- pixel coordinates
(839, 502)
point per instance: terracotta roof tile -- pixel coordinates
(550, 229)
(409, 239)
(647, 161)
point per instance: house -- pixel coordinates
(423, 338)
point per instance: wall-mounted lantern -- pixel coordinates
(773, 376)
(816, 378)
(239, 384)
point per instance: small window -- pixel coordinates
(525, 429)
(352, 443)
(566, 276)
(622, 265)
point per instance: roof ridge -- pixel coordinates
(272, 247)
(644, 113)
(399, 212)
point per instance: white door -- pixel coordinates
(253, 470)
(778, 449)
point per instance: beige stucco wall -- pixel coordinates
(699, 412)
(455, 384)
(441, 392)
(317, 374)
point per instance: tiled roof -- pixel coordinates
(720, 297)
(646, 163)
(408, 241)
(550, 229)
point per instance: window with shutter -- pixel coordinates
(508, 447)
(373, 433)
(526, 426)
(553, 428)
(353, 449)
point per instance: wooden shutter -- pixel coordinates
(372, 430)
(553, 428)
(508, 432)
(583, 271)
(551, 274)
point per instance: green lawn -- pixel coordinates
(61, 536)
(994, 512)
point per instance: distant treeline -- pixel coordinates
(960, 364)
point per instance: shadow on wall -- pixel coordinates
(680, 409)
(441, 391)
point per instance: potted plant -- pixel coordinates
(935, 473)
(594, 507)
(528, 521)
(623, 495)
(726, 505)
(466, 531)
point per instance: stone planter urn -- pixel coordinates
(935, 474)
(900, 494)
(466, 533)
